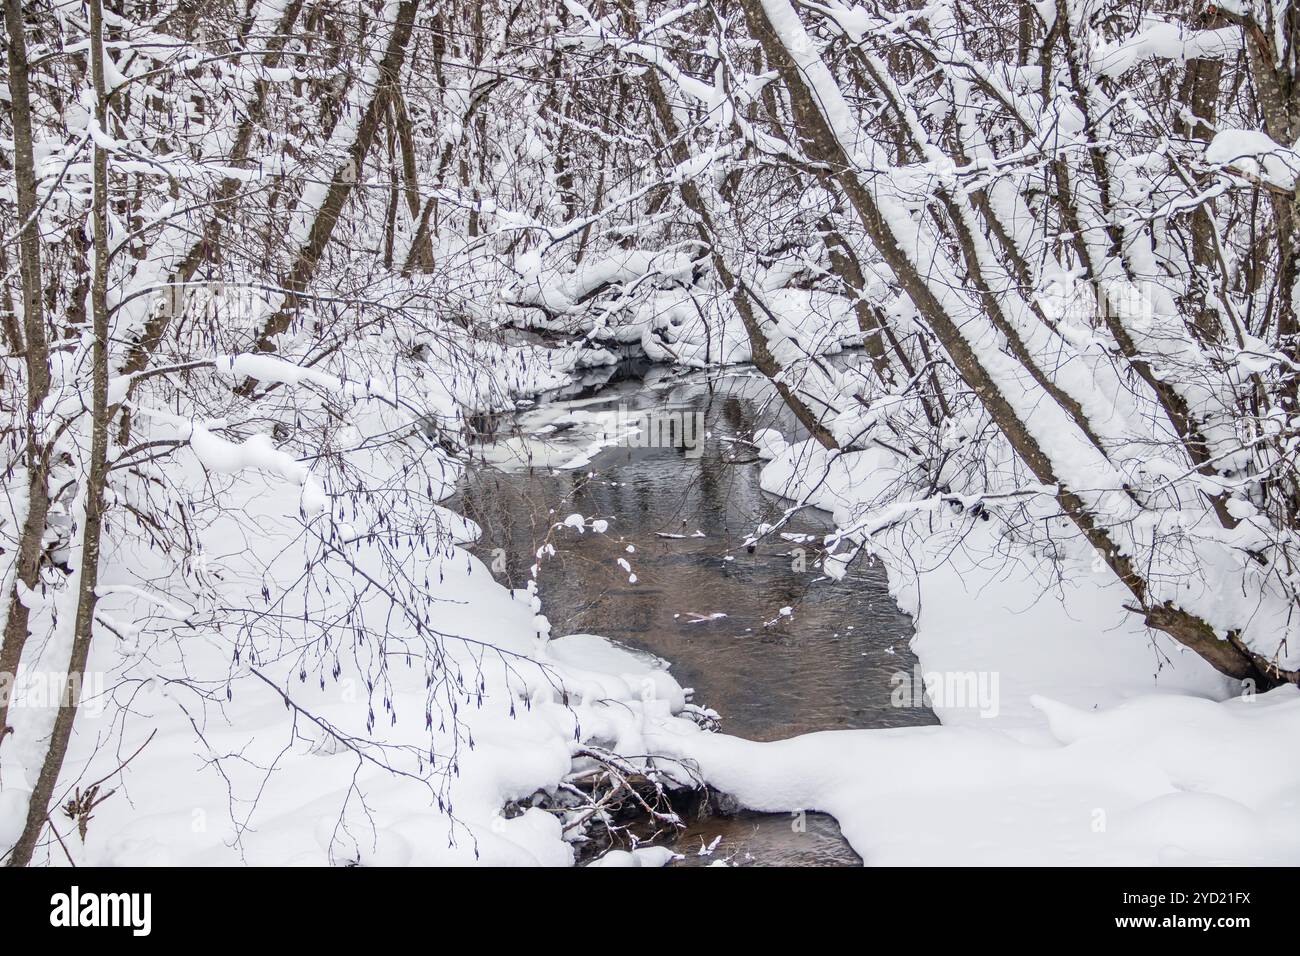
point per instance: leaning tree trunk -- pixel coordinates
(821, 143)
(741, 296)
(308, 257)
(223, 198)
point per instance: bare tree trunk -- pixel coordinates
(202, 249)
(822, 145)
(35, 345)
(309, 255)
(1199, 95)
(1277, 89)
(741, 296)
(421, 251)
(88, 570)
(1173, 401)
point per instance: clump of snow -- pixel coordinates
(1167, 41)
(649, 856)
(769, 443)
(1256, 154)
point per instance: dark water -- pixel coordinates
(702, 599)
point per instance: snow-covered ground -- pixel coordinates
(251, 782)
(246, 780)
(281, 707)
(1071, 735)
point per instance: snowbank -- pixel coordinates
(289, 760)
(339, 684)
(1082, 738)
(1159, 780)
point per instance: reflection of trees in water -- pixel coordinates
(807, 672)
(513, 517)
(735, 413)
(641, 492)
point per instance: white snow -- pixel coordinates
(1160, 780)
(1104, 743)
(1256, 154)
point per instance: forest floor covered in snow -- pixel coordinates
(333, 726)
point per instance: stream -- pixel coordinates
(701, 599)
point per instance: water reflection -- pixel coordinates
(761, 635)
(764, 839)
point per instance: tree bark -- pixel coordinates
(202, 249)
(822, 145)
(420, 254)
(295, 282)
(88, 569)
(36, 356)
(760, 351)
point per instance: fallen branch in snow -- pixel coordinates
(615, 786)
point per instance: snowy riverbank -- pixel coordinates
(330, 686)
(1071, 735)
